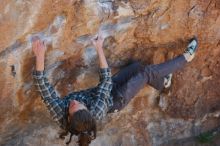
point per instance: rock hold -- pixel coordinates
(51, 34)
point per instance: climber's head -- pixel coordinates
(81, 123)
(74, 106)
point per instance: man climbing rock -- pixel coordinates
(78, 111)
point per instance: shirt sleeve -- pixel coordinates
(49, 96)
(103, 92)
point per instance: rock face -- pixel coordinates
(151, 31)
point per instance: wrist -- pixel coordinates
(40, 57)
(40, 63)
(40, 66)
(99, 48)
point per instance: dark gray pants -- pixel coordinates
(128, 82)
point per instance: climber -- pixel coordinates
(78, 112)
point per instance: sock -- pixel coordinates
(188, 57)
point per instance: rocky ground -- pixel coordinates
(150, 31)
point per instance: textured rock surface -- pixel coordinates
(148, 30)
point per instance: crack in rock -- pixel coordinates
(106, 7)
(106, 30)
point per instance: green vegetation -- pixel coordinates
(207, 137)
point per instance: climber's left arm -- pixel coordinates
(98, 43)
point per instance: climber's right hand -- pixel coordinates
(38, 47)
(39, 50)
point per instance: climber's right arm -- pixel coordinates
(54, 103)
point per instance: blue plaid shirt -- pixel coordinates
(98, 100)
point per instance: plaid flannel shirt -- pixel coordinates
(98, 100)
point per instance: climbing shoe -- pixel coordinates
(189, 53)
(167, 81)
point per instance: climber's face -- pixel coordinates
(74, 106)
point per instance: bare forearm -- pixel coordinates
(98, 43)
(39, 49)
(102, 60)
(39, 63)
